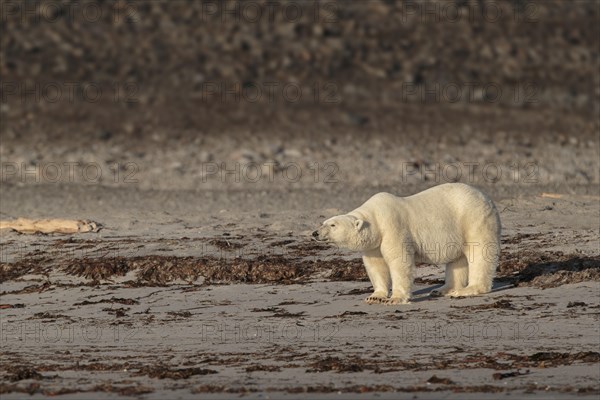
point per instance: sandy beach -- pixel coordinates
(215, 292)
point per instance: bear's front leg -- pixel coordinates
(401, 271)
(379, 274)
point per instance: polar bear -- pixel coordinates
(453, 224)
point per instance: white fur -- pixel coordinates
(452, 224)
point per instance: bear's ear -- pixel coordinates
(358, 224)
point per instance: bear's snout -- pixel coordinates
(319, 235)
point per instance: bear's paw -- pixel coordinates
(376, 299)
(392, 301)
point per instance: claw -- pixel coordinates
(392, 301)
(375, 300)
(441, 291)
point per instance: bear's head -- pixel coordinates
(349, 232)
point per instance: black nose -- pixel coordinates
(315, 233)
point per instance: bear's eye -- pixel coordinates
(332, 225)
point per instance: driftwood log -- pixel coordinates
(25, 225)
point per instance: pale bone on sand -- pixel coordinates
(25, 225)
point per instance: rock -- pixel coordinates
(104, 135)
(205, 156)
(293, 153)
(244, 156)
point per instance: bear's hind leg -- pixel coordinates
(457, 273)
(482, 269)
(379, 274)
(484, 256)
